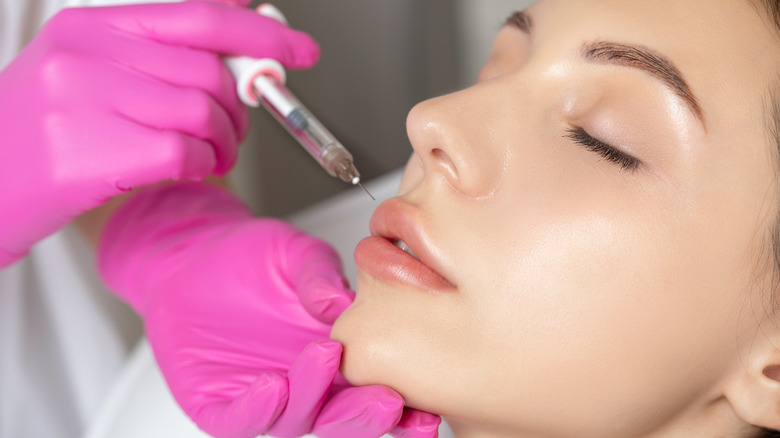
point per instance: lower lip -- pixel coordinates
(386, 262)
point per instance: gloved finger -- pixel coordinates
(189, 111)
(216, 27)
(310, 379)
(140, 156)
(248, 415)
(166, 156)
(124, 92)
(187, 68)
(417, 424)
(315, 269)
(357, 412)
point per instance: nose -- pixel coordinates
(455, 137)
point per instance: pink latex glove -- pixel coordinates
(106, 99)
(237, 311)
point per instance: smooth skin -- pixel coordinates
(590, 298)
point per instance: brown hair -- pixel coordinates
(770, 9)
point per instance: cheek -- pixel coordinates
(585, 302)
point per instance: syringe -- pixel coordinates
(261, 82)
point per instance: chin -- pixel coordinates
(363, 330)
(391, 337)
(374, 346)
(372, 359)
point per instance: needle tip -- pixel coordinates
(366, 190)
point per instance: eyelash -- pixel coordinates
(611, 154)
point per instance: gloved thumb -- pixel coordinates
(248, 415)
(417, 424)
(310, 377)
(358, 412)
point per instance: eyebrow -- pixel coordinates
(522, 21)
(643, 58)
(627, 55)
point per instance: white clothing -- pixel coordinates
(20, 20)
(63, 338)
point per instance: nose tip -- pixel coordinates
(454, 144)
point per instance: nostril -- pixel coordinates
(445, 163)
(773, 372)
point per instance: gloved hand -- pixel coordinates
(106, 99)
(237, 311)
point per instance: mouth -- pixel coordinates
(405, 248)
(399, 251)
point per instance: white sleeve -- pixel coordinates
(20, 20)
(63, 340)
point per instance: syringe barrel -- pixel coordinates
(301, 124)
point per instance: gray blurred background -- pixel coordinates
(379, 58)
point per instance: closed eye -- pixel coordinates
(610, 153)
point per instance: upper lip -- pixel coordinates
(398, 220)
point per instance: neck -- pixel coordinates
(716, 419)
(461, 429)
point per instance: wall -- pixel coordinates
(379, 58)
(477, 22)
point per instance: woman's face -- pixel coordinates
(590, 217)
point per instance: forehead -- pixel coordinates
(727, 36)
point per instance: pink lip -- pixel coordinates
(377, 255)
